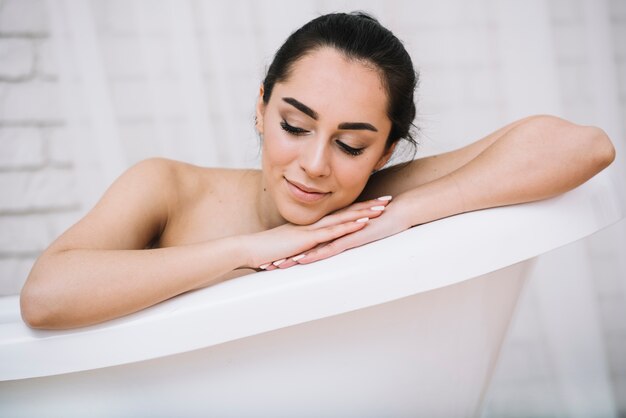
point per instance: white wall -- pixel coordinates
(87, 88)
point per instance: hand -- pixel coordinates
(269, 249)
(389, 224)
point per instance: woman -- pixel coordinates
(335, 102)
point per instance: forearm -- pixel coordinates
(535, 160)
(80, 286)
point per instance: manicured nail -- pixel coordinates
(264, 266)
(279, 262)
(298, 257)
(361, 220)
(377, 208)
(384, 198)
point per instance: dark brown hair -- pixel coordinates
(361, 37)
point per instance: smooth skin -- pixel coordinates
(165, 227)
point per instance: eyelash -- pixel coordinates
(293, 130)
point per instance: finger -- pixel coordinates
(283, 263)
(278, 263)
(337, 246)
(333, 232)
(288, 263)
(372, 211)
(333, 248)
(293, 261)
(367, 204)
(326, 251)
(381, 201)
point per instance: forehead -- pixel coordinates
(336, 86)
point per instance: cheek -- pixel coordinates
(277, 151)
(352, 178)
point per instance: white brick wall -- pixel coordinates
(58, 146)
(45, 61)
(14, 269)
(13, 238)
(37, 195)
(37, 191)
(23, 17)
(16, 59)
(33, 101)
(22, 147)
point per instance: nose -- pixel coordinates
(314, 158)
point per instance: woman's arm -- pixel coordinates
(100, 268)
(539, 158)
(531, 159)
(534, 145)
(534, 159)
(78, 287)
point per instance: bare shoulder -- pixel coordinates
(179, 180)
(206, 203)
(143, 202)
(193, 182)
(132, 212)
(179, 186)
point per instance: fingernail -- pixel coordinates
(384, 198)
(264, 266)
(279, 262)
(361, 220)
(299, 257)
(377, 208)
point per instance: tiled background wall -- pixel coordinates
(153, 93)
(37, 200)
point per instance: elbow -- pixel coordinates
(31, 315)
(33, 312)
(36, 307)
(44, 301)
(602, 148)
(588, 145)
(595, 148)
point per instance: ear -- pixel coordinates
(260, 111)
(385, 157)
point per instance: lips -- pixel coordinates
(305, 193)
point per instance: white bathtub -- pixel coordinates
(407, 326)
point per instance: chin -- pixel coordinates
(299, 214)
(302, 216)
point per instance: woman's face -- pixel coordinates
(324, 132)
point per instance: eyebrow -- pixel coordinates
(313, 114)
(357, 125)
(301, 107)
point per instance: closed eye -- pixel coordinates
(294, 130)
(349, 150)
